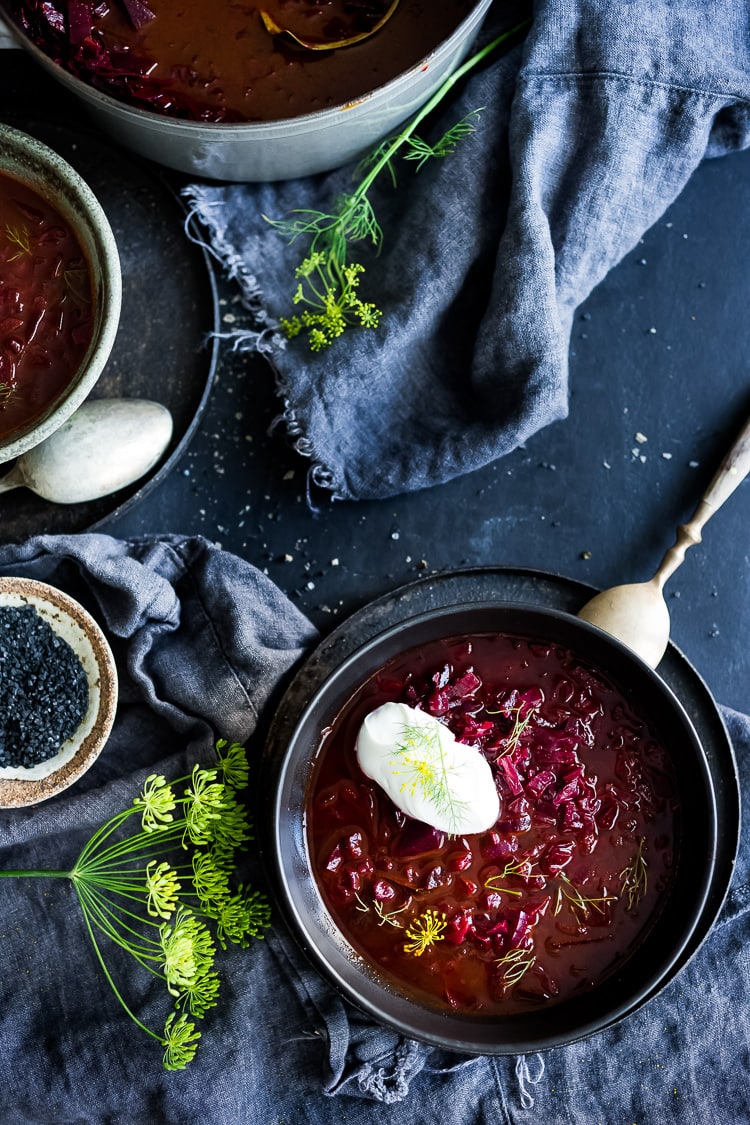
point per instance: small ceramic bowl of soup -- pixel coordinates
(60, 291)
(494, 829)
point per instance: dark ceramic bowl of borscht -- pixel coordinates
(583, 897)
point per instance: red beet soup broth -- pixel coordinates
(557, 893)
(214, 60)
(46, 305)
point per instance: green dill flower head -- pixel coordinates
(211, 881)
(162, 889)
(353, 274)
(180, 1041)
(314, 261)
(241, 917)
(230, 831)
(158, 803)
(318, 340)
(369, 315)
(204, 801)
(233, 763)
(188, 951)
(201, 995)
(291, 326)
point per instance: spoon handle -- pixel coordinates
(730, 473)
(13, 479)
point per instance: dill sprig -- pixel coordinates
(515, 964)
(328, 281)
(421, 758)
(522, 868)
(579, 904)
(163, 893)
(18, 236)
(385, 917)
(634, 877)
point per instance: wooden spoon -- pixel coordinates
(637, 614)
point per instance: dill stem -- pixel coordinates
(35, 874)
(445, 87)
(108, 975)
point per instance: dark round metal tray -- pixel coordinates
(520, 586)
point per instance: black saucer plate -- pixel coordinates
(515, 585)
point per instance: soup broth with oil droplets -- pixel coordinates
(549, 900)
(214, 60)
(46, 305)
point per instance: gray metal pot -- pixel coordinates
(281, 150)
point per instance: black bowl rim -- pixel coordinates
(304, 931)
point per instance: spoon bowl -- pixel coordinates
(105, 446)
(636, 613)
(326, 43)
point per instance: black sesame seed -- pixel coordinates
(44, 692)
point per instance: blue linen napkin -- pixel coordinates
(202, 642)
(589, 131)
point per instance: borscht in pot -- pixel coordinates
(505, 828)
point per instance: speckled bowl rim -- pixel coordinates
(79, 753)
(39, 167)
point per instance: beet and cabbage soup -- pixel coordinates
(547, 840)
(46, 305)
(215, 60)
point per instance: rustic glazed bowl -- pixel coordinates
(670, 939)
(69, 620)
(32, 163)
(265, 151)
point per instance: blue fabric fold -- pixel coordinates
(588, 131)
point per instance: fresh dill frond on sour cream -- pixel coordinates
(426, 772)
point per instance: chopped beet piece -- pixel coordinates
(138, 13)
(495, 846)
(556, 857)
(458, 927)
(383, 891)
(539, 782)
(418, 838)
(511, 775)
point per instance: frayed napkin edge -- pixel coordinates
(266, 340)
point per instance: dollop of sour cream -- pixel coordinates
(426, 772)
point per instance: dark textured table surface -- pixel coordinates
(659, 385)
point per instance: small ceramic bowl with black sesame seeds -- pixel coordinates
(58, 691)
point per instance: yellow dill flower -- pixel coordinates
(180, 1042)
(158, 803)
(162, 889)
(205, 802)
(188, 951)
(233, 763)
(424, 931)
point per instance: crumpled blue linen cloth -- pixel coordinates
(589, 130)
(203, 642)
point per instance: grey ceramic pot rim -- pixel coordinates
(39, 167)
(672, 938)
